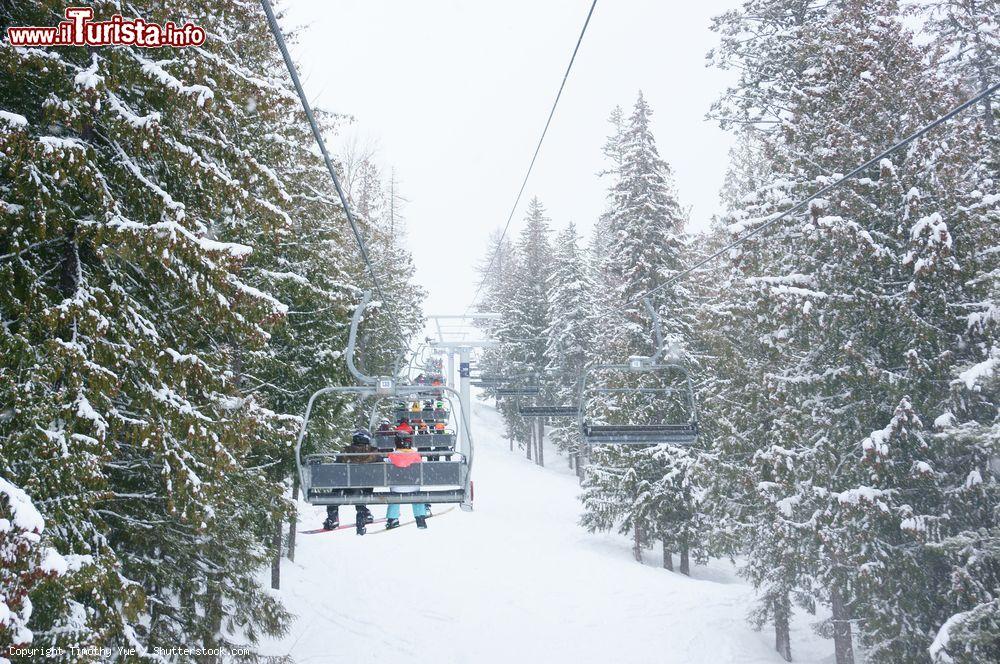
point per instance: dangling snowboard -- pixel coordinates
(333, 530)
(411, 522)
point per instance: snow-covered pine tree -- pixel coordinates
(614, 146)
(570, 333)
(496, 274)
(872, 363)
(644, 248)
(528, 313)
(391, 324)
(24, 564)
(967, 442)
(136, 317)
(965, 33)
(745, 477)
(856, 336)
(762, 40)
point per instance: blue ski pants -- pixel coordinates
(419, 509)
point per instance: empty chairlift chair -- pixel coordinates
(543, 408)
(546, 408)
(676, 418)
(488, 381)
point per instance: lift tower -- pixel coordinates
(455, 338)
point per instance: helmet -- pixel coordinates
(385, 421)
(361, 437)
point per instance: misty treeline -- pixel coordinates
(176, 277)
(847, 358)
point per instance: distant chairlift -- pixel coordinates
(488, 381)
(329, 479)
(507, 386)
(518, 391)
(547, 409)
(441, 442)
(671, 433)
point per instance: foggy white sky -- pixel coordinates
(455, 94)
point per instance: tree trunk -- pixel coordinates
(569, 459)
(293, 521)
(782, 637)
(213, 617)
(541, 442)
(637, 545)
(276, 560)
(529, 442)
(668, 557)
(842, 641)
(685, 567)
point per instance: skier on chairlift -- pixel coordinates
(359, 451)
(405, 456)
(385, 434)
(404, 427)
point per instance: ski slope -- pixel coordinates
(514, 581)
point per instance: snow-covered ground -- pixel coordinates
(514, 581)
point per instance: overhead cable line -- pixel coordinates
(983, 94)
(290, 66)
(534, 156)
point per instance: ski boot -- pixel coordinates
(360, 523)
(331, 523)
(421, 522)
(391, 523)
(368, 515)
(427, 506)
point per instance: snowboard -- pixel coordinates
(408, 523)
(333, 530)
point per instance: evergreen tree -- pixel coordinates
(528, 314)
(645, 490)
(24, 564)
(157, 213)
(570, 333)
(853, 300)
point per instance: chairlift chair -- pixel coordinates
(432, 415)
(443, 443)
(329, 479)
(650, 433)
(547, 410)
(511, 391)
